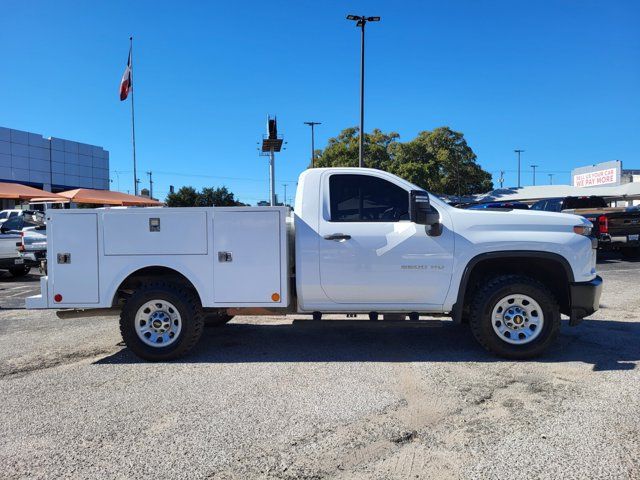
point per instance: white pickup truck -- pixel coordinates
(358, 241)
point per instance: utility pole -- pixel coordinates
(534, 172)
(150, 173)
(518, 152)
(551, 179)
(284, 203)
(272, 178)
(271, 143)
(501, 179)
(361, 21)
(313, 151)
(118, 178)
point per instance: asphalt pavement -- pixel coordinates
(286, 397)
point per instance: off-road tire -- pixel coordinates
(490, 293)
(20, 271)
(189, 308)
(216, 319)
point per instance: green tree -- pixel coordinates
(342, 151)
(207, 197)
(439, 160)
(184, 197)
(218, 197)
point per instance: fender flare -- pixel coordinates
(123, 276)
(456, 313)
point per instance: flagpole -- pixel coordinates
(133, 125)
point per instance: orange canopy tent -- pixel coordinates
(107, 197)
(17, 191)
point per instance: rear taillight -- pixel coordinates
(603, 224)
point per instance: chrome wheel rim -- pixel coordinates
(517, 319)
(158, 323)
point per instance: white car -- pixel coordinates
(358, 241)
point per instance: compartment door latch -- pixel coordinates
(64, 258)
(225, 257)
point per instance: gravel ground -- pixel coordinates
(290, 398)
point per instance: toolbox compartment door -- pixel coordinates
(155, 232)
(247, 257)
(75, 274)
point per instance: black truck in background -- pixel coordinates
(616, 228)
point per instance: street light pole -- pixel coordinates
(551, 179)
(534, 173)
(518, 152)
(313, 151)
(361, 21)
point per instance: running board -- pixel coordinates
(87, 312)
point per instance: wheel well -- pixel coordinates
(549, 271)
(137, 278)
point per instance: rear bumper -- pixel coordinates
(607, 241)
(585, 299)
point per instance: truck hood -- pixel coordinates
(518, 220)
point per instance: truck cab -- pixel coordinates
(358, 241)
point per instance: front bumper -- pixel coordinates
(585, 299)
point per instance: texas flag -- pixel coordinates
(127, 80)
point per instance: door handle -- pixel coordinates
(337, 236)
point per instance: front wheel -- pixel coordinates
(514, 316)
(161, 321)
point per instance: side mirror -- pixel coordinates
(423, 213)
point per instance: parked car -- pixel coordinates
(12, 232)
(7, 214)
(366, 241)
(500, 206)
(10, 258)
(33, 246)
(616, 228)
(27, 220)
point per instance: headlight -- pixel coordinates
(583, 230)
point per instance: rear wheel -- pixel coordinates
(161, 321)
(514, 316)
(19, 271)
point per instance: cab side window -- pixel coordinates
(364, 198)
(539, 205)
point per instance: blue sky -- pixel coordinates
(558, 79)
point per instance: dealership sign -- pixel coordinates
(607, 173)
(592, 179)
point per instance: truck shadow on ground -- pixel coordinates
(615, 258)
(6, 277)
(605, 344)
